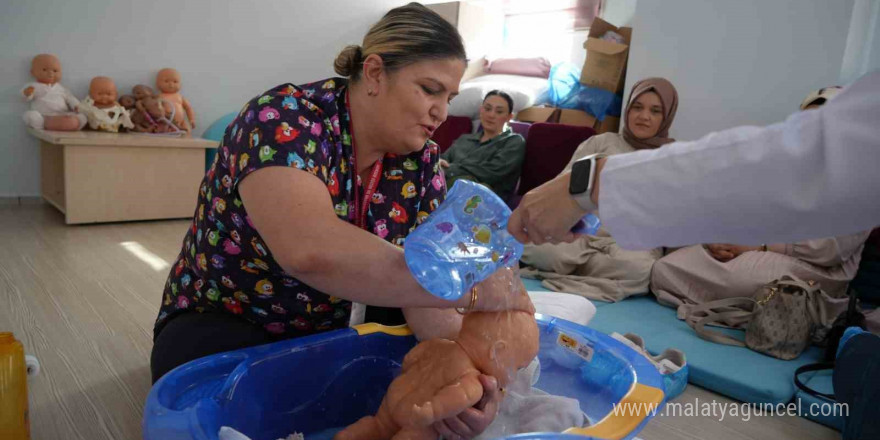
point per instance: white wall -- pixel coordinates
(227, 52)
(862, 53)
(738, 62)
(619, 12)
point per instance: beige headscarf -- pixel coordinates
(669, 98)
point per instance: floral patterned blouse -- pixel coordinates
(224, 265)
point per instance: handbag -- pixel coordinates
(780, 319)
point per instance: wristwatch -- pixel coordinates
(582, 181)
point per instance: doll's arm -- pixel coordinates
(71, 100)
(189, 113)
(449, 401)
(28, 92)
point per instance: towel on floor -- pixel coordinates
(528, 409)
(576, 309)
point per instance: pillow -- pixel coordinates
(526, 91)
(538, 67)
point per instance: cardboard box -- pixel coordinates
(535, 114)
(605, 66)
(576, 117)
(610, 124)
(556, 115)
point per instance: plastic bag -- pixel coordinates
(597, 102)
(566, 91)
(564, 79)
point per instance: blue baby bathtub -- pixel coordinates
(320, 383)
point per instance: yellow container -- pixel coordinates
(14, 423)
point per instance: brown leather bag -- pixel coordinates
(782, 318)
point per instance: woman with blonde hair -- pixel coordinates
(312, 194)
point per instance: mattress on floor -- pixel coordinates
(736, 372)
(819, 409)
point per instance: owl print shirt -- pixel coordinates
(225, 266)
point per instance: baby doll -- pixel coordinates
(439, 378)
(141, 91)
(101, 108)
(168, 82)
(149, 115)
(53, 107)
(127, 101)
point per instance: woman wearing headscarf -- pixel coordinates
(594, 266)
(701, 273)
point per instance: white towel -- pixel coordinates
(227, 433)
(528, 409)
(569, 307)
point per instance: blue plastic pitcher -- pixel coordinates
(462, 243)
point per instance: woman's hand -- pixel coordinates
(503, 290)
(444, 163)
(546, 214)
(474, 420)
(725, 252)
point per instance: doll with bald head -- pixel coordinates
(439, 377)
(101, 107)
(168, 83)
(53, 107)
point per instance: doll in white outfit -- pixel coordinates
(102, 109)
(53, 107)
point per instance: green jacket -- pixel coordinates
(495, 163)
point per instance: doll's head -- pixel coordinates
(168, 80)
(153, 106)
(103, 91)
(46, 68)
(500, 343)
(127, 101)
(141, 91)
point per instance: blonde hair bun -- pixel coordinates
(346, 63)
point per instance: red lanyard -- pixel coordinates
(361, 209)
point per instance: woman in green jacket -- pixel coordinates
(492, 156)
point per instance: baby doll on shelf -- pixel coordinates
(168, 83)
(101, 108)
(53, 107)
(149, 114)
(439, 377)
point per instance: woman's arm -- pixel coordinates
(827, 252)
(590, 146)
(298, 224)
(433, 323)
(812, 175)
(311, 243)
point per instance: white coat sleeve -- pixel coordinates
(815, 175)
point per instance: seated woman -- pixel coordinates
(594, 266)
(702, 273)
(313, 192)
(492, 156)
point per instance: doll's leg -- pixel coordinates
(416, 433)
(367, 428)
(33, 119)
(64, 122)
